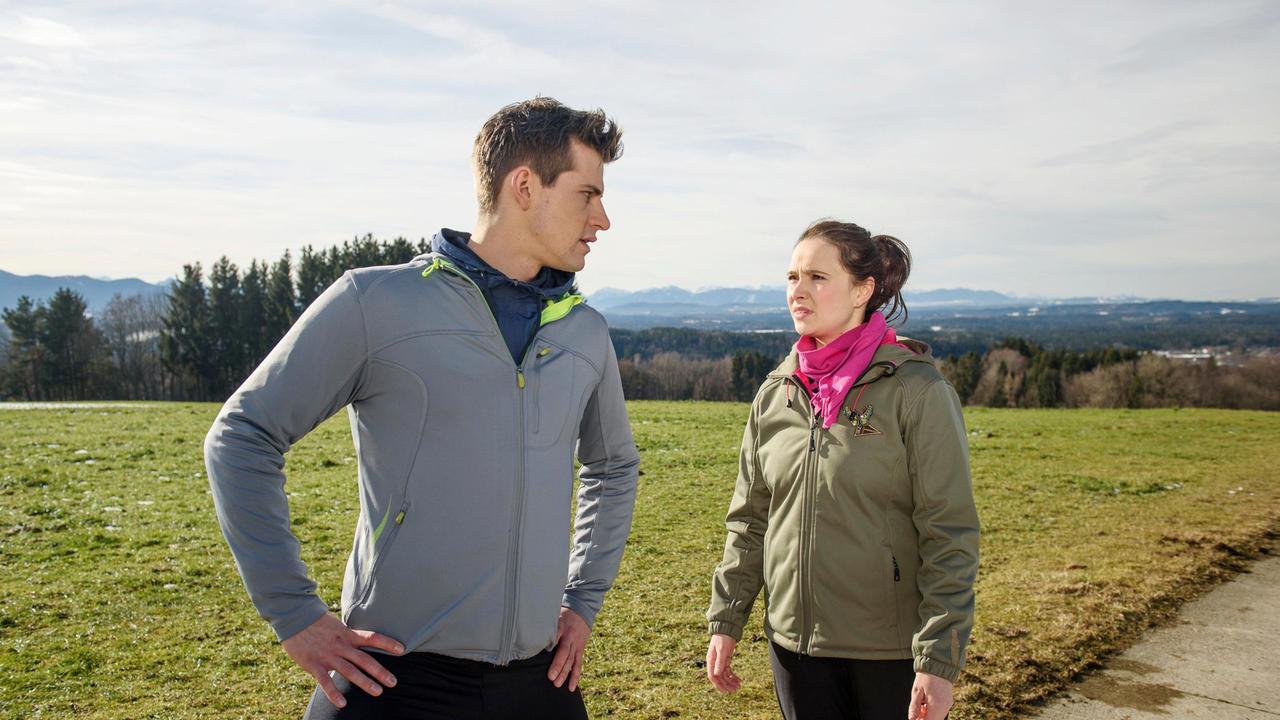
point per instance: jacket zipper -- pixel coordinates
(507, 640)
(897, 574)
(806, 529)
(513, 547)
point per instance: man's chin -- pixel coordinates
(571, 265)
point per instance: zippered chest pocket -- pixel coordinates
(558, 380)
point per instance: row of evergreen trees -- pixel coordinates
(198, 342)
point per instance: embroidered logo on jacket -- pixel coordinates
(862, 422)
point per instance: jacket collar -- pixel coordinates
(549, 283)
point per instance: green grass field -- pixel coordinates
(118, 597)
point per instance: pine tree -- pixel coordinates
(186, 345)
(226, 339)
(749, 370)
(398, 251)
(312, 272)
(25, 356)
(253, 315)
(281, 304)
(968, 372)
(73, 347)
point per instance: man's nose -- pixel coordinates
(601, 219)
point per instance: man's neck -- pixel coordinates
(503, 250)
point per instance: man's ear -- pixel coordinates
(521, 184)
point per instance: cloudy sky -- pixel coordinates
(1033, 148)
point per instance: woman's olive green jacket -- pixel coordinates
(864, 535)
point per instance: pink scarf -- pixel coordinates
(829, 372)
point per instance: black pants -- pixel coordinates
(819, 688)
(435, 687)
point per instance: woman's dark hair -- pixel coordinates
(882, 257)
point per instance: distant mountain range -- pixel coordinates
(771, 299)
(719, 308)
(764, 308)
(97, 292)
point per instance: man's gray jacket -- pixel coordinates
(465, 464)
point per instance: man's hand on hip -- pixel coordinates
(328, 644)
(571, 639)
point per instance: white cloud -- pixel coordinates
(40, 32)
(1101, 141)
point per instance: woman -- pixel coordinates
(853, 505)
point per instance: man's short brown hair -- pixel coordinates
(537, 133)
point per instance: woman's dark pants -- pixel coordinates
(819, 688)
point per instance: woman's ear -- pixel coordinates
(863, 292)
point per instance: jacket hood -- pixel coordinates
(453, 245)
(888, 358)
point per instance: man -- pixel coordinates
(468, 374)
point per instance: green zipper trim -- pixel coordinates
(378, 530)
(436, 264)
(557, 309)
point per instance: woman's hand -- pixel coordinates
(930, 697)
(719, 664)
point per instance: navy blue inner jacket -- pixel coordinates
(516, 305)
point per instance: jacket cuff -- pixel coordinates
(724, 628)
(583, 610)
(300, 619)
(933, 666)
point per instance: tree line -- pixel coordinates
(1013, 373)
(1020, 373)
(201, 339)
(196, 342)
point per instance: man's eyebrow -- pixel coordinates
(594, 190)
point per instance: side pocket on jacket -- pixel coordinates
(895, 589)
(384, 537)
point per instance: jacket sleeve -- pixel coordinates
(946, 523)
(737, 580)
(311, 374)
(606, 493)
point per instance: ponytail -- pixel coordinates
(895, 262)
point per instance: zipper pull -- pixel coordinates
(520, 379)
(897, 574)
(813, 430)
